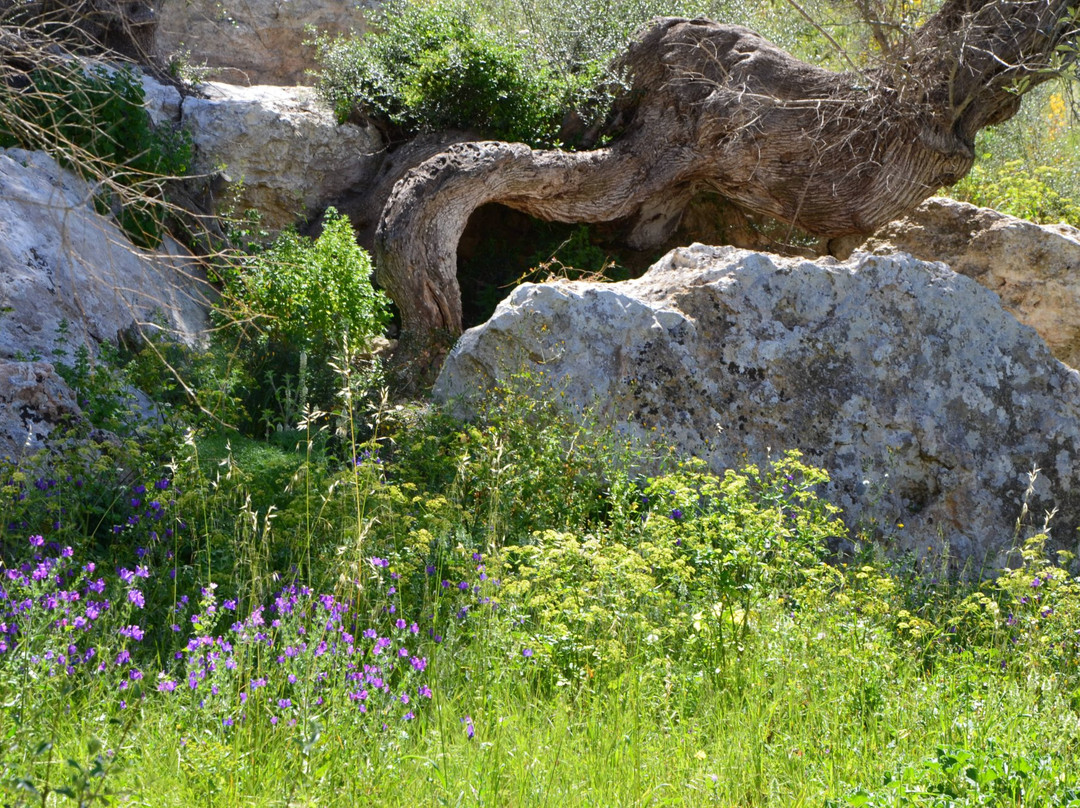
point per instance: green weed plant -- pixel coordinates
(291, 309)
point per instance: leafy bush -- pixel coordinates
(478, 83)
(677, 570)
(316, 294)
(429, 67)
(1012, 189)
(93, 121)
(747, 535)
(311, 300)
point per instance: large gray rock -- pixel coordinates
(1034, 269)
(281, 147)
(33, 398)
(926, 402)
(63, 263)
(254, 42)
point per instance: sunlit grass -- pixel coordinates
(587, 654)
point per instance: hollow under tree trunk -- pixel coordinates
(718, 106)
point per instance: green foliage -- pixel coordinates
(1029, 195)
(191, 383)
(746, 536)
(315, 295)
(588, 605)
(434, 66)
(572, 616)
(533, 465)
(93, 120)
(955, 776)
(480, 84)
(556, 601)
(312, 302)
(679, 572)
(1029, 166)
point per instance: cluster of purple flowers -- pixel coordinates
(55, 618)
(299, 656)
(139, 506)
(302, 654)
(478, 592)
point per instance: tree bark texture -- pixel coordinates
(719, 107)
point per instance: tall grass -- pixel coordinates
(524, 621)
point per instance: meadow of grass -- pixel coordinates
(504, 612)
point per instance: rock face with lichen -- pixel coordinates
(925, 400)
(254, 42)
(69, 277)
(281, 147)
(1033, 268)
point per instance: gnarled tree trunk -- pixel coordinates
(718, 106)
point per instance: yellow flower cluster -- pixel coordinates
(1057, 116)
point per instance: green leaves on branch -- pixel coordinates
(312, 303)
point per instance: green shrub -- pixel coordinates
(1014, 189)
(93, 121)
(436, 66)
(311, 301)
(744, 537)
(479, 84)
(315, 294)
(1029, 166)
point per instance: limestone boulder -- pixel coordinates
(162, 101)
(33, 399)
(280, 147)
(69, 277)
(924, 399)
(254, 42)
(1034, 269)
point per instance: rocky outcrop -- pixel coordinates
(162, 101)
(1034, 269)
(69, 277)
(253, 42)
(926, 402)
(33, 399)
(280, 147)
